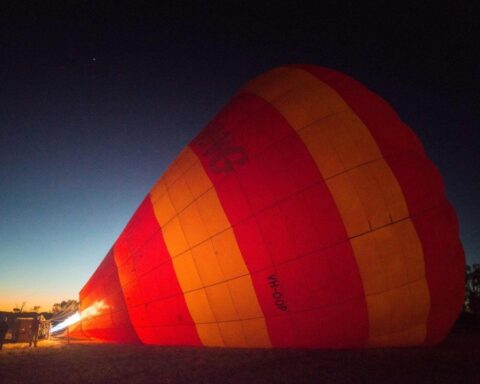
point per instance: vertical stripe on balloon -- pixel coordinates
(208, 263)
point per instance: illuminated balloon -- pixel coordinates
(306, 214)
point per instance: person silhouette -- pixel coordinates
(3, 331)
(34, 328)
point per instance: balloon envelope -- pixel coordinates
(305, 214)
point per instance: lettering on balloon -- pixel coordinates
(223, 156)
(274, 283)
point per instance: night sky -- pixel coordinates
(96, 101)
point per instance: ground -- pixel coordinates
(54, 361)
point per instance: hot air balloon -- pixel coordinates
(305, 214)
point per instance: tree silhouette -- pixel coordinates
(64, 305)
(19, 308)
(472, 290)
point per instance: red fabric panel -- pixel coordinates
(423, 188)
(112, 322)
(148, 335)
(139, 318)
(252, 244)
(152, 292)
(314, 287)
(103, 270)
(420, 180)
(165, 322)
(284, 217)
(141, 226)
(151, 255)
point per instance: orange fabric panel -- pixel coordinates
(187, 272)
(199, 307)
(396, 299)
(405, 338)
(196, 181)
(172, 174)
(163, 208)
(174, 237)
(210, 335)
(207, 263)
(391, 191)
(221, 302)
(185, 160)
(206, 256)
(233, 333)
(411, 249)
(370, 194)
(400, 324)
(349, 205)
(192, 225)
(339, 142)
(303, 105)
(158, 190)
(312, 98)
(370, 265)
(180, 194)
(367, 195)
(242, 290)
(212, 213)
(356, 146)
(255, 334)
(319, 138)
(276, 83)
(228, 254)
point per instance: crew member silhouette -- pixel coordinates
(34, 328)
(3, 331)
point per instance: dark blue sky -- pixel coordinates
(96, 101)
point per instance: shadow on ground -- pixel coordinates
(456, 360)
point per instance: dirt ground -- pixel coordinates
(457, 360)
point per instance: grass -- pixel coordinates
(456, 360)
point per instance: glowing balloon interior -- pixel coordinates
(305, 214)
